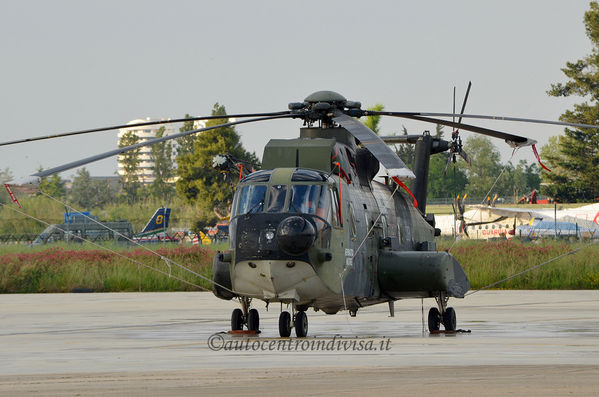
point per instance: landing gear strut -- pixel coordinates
(442, 315)
(245, 316)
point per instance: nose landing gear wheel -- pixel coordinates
(236, 320)
(301, 324)
(434, 319)
(284, 324)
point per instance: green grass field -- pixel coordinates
(65, 268)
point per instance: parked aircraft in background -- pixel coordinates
(80, 226)
(551, 228)
(155, 229)
(484, 222)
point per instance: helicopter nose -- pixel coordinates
(295, 235)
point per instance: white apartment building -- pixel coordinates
(145, 171)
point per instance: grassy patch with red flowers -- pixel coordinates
(65, 269)
(486, 262)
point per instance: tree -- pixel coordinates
(575, 164)
(372, 122)
(87, 193)
(519, 180)
(185, 143)
(485, 167)
(130, 160)
(442, 184)
(199, 183)
(162, 155)
(5, 176)
(557, 186)
(405, 151)
(53, 186)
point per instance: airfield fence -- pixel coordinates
(469, 200)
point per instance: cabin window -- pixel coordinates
(276, 200)
(250, 199)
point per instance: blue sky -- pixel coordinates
(68, 65)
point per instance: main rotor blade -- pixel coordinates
(514, 140)
(465, 100)
(116, 127)
(125, 149)
(375, 145)
(484, 117)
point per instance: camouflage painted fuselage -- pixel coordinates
(313, 227)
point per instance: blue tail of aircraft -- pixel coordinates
(157, 225)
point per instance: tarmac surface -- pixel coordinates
(521, 343)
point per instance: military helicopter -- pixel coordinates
(313, 228)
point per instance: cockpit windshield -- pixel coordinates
(250, 199)
(276, 201)
(314, 199)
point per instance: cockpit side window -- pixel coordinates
(335, 216)
(324, 205)
(304, 198)
(276, 201)
(250, 199)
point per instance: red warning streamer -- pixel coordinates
(240, 166)
(404, 187)
(12, 195)
(337, 164)
(534, 150)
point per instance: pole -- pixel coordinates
(555, 217)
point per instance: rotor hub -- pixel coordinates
(320, 104)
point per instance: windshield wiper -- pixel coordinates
(261, 202)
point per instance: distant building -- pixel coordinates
(145, 171)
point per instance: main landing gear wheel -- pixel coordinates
(434, 319)
(253, 320)
(284, 324)
(237, 320)
(449, 319)
(301, 324)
